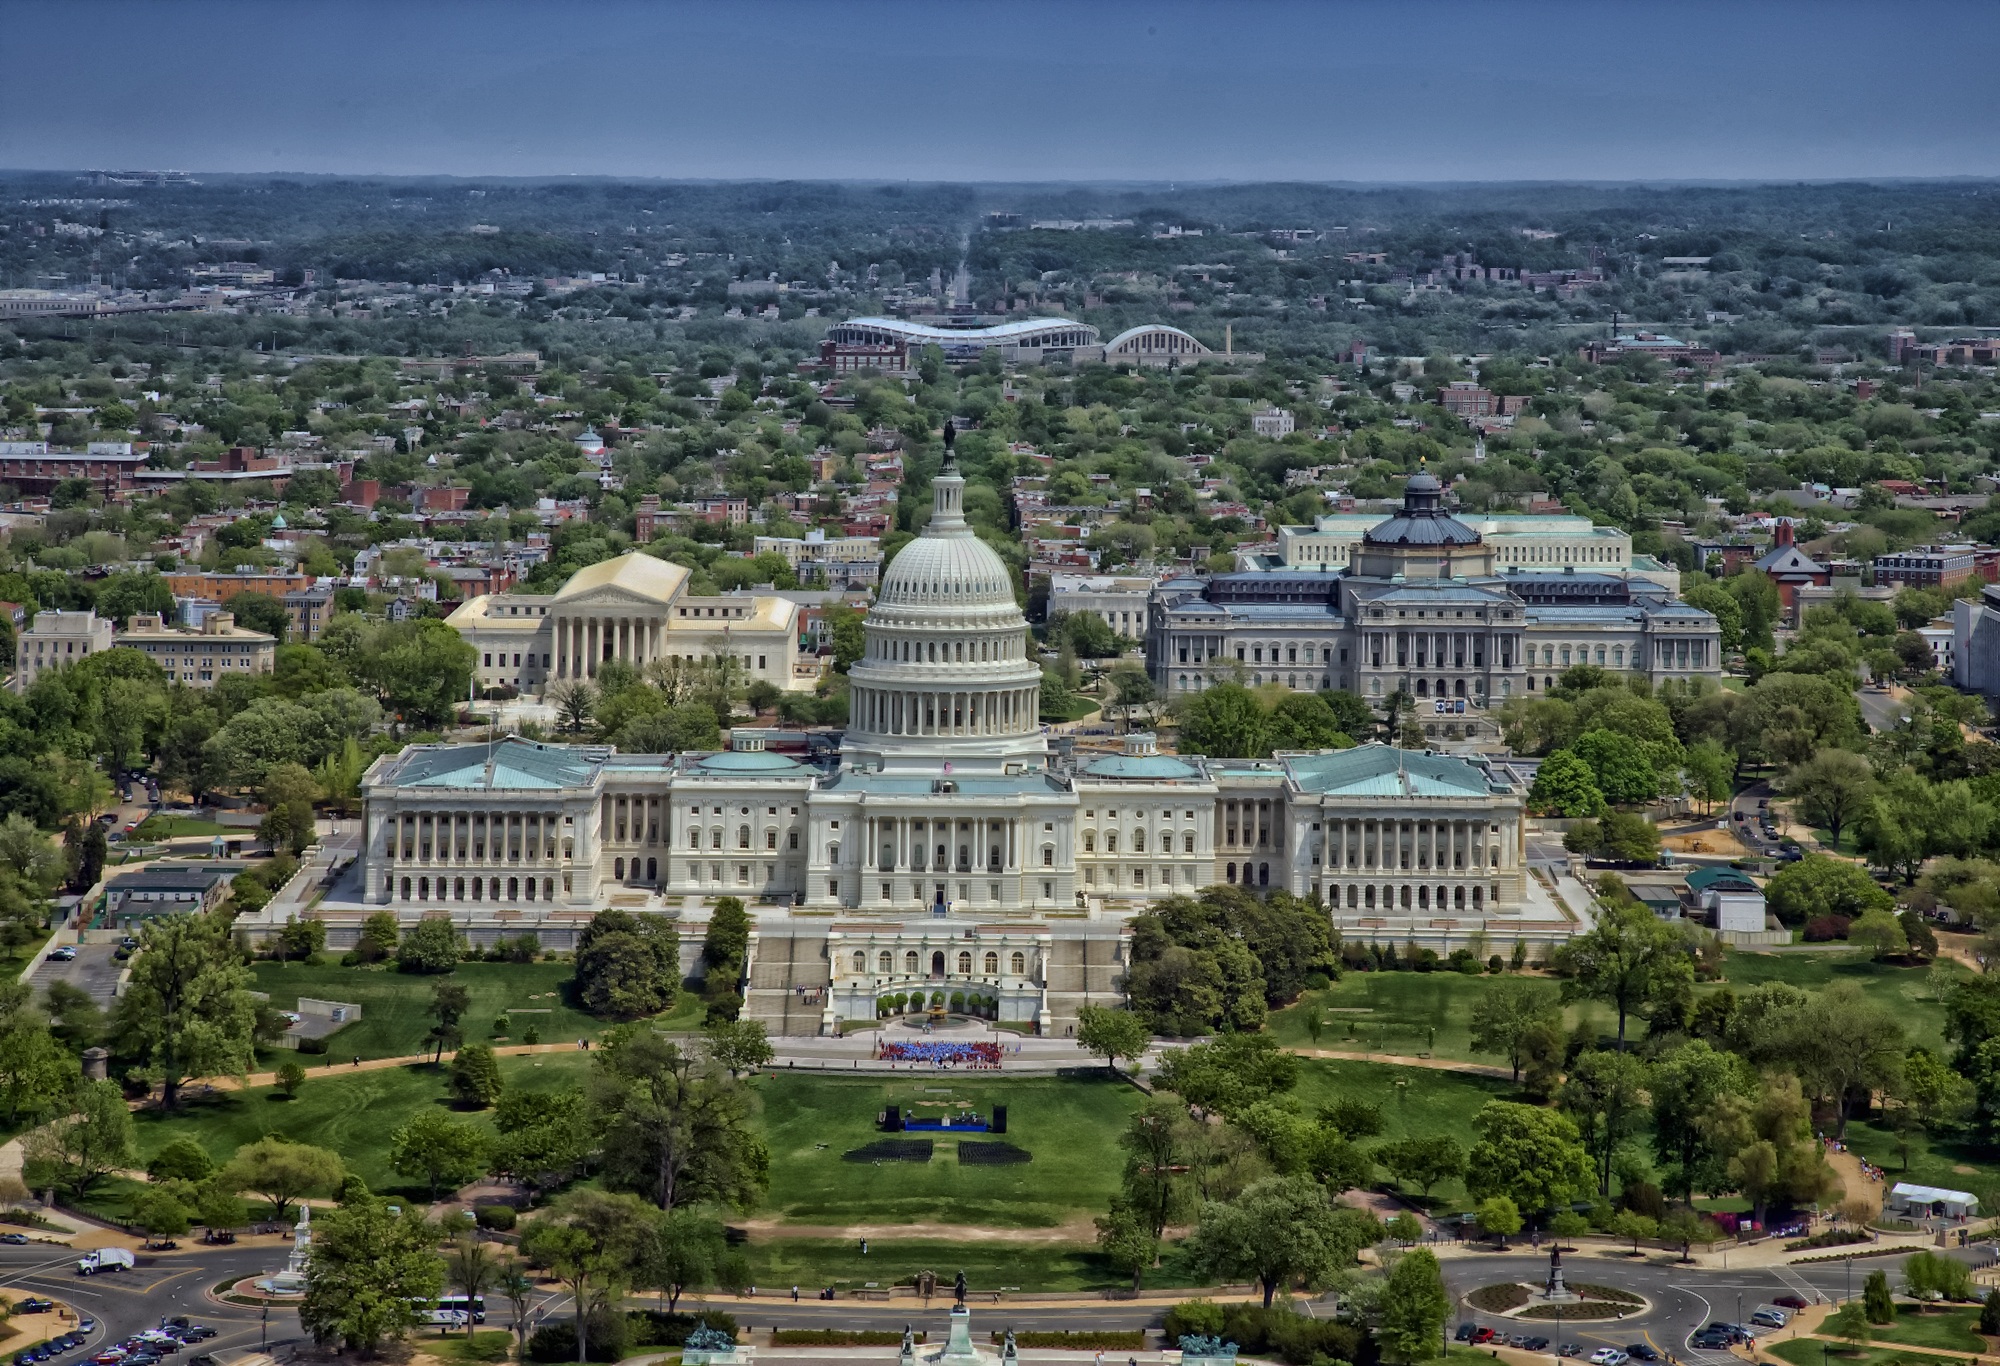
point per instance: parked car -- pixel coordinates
(1790, 1302)
(1465, 1331)
(1608, 1356)
(14, 1239)
(1640, 1351)
(1482, 1336)
(1569, 1349)
(1769, 1318)
(63, 953)
(1537, 1344)
(34, 1305)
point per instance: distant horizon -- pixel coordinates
(1360, 93)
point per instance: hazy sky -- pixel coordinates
(970, 90)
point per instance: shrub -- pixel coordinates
(556, 1342)
(1193, 1318)
(657, 1328)
(531, 1035)
(499, 1218)
(840, 1337)
(958, 1002)
(1081, 1340)
(1824, 928)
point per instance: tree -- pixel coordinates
(475, 1076)
(1989, 1314)
(1499, 1217)
(1927, 1277)
(1686, 1228)
(1685, 1086)
(545, 1136)
(281, 1172)
(370, 1275)
(290, 1077)
(740, 1046)
(1621, 765)
(260, 612)
(1628, 1223)
(1604, 1095)
(442, 1150)
(725, 948)
(35, 1070)
(1111, 1034)
(1881, 932)
(1565, 786)
(379, 936)
(1125, 1236)
(675, 1127)
(627, 966)
(1422, 1160)
(1877, 1300)
(471, 1267)
(160, 1212)
(289, 790)
(1278, 1232)
(1630, 959)
(1850, 1324)
(449, 1002)
(682, 1250)
(181, 1160)
(187, 1009)
(1832, 788)
(588, 1242)
(1157, 1142)
(432, 945)
(1226, 721)
(82, 1146)
(26, 850)
(1530, 1155)
(218, 1207)
(1229, 1074)
(1505, 1013)
(513, 1281)
(1711, 772)
(1413, 1308)
(1818, 886)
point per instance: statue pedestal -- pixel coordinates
(958, 1348)
(737, 1354)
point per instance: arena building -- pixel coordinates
(950, 848)
(893, 344)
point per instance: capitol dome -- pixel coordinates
(947, 679)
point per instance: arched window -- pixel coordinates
(1263, 875)
(652, 870)
(885, 963)
(833, 854)
(1190, 843)
(910, 962)
(1018, 964)
(770, 839)
(964, 964)
(513, 889)
(1048, 856)
(618, 869)
(1089, 842)
(1230, 874)
(715, 838)
(458, 889)
(423, 889)
(1138, 841)
(861, 962)
(742, 837)
(694, 839)
(992, 964)
(1111, 841)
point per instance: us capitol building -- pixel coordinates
(950, 848)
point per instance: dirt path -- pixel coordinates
(1477, 1069)
(332, 1067)
(1859, 1187)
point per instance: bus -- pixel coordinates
(452, 1311)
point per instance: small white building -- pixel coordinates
(1120, 602)
(1930, 1202)
(1939, 635)
(1727, 900)
(1273, 422)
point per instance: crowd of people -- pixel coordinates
(973, 1053)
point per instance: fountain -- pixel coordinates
(292, 1280)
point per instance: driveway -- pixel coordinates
(1882, 710)
(93, 969)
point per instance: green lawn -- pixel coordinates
(171, 827)
(1070, 1126)
(1950, 1330)
(1905, 991)
(811, 1263)
(353, 1113)
(1427, 1102)
(1406, 1012)
(1818, 1352)
(395, 1006)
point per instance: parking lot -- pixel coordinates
(94, 968)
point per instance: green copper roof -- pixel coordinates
(509, 765)
(747, 761)
(1382, 771)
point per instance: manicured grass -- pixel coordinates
(353, 1113)
(1407, 1013)
(1414, 1101)
(1818, 1352)
(1070, 1126)
(777, 1264)
(171, 827)
(395, 1006)
(1950, 1330)
(1905, 991)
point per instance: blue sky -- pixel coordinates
(967, 90)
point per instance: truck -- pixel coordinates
(105, 1259)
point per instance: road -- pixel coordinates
(1680, 1300)
(1882, 710)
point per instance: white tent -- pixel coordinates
(1930, 1201)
